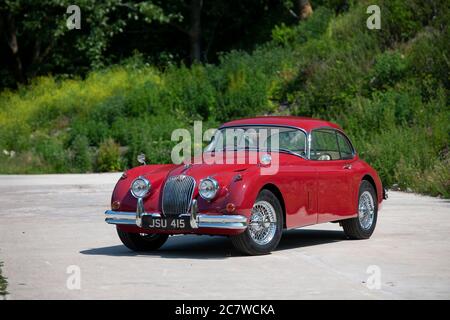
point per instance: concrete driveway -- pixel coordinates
(52, 229)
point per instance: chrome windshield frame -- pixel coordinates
(275, 126)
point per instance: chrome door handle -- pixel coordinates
(348, 166)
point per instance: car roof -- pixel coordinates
(305, 123)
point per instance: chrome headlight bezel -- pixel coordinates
(142, 190)
(208, 193)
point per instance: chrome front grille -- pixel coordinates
(177, 195)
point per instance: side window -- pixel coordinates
(344, 147)
(293, 140)
(324, 145)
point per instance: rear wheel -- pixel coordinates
(265, 226)
(142, 242)
(363, 225)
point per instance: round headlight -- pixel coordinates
(140, 187)
(208, 188)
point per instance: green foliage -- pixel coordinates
(242, 86)
(188, 92)
(113, 30)
(108, 158)
(46, 44)
(51, 151)
(388, 90)
(302, 32)
(389, 68)
(81, 157)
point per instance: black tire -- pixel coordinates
(352, 227)
(142, 243)
(244, 242)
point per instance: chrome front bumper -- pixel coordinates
(235, 222)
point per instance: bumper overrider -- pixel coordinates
(235, 222)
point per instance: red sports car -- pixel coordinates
(258, 176)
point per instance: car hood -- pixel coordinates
(222, 168)
(225, 174)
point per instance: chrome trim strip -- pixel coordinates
(263, 125)
(236, 222)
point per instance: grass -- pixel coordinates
(388, 89)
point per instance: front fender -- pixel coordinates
(242, 189)
(156, 174)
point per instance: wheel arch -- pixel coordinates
(371, 180)
(276, 191)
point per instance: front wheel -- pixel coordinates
(265, 226)
(142, 242)
(363, 225)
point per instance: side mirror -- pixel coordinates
(141, 158)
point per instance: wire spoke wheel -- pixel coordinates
(366, 210)
(363, 225)
(262, 226)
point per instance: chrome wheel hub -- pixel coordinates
(366, 210)
(262, 226)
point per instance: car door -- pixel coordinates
(296, 178)
(333, 174)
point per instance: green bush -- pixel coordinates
(81, 157)
(108, 158)
(188, 93)
(52, 151)
(389, 68)
(313, 28)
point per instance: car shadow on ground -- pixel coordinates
(206, 247)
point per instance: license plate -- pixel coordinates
(166, 223)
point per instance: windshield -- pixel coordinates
(261, 138)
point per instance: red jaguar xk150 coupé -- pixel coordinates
(260, 176)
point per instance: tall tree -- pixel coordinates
(195, 30)
(37, 36)
(9, 30)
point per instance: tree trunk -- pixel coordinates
(195, 30)
(10, 32)
(304, 8)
